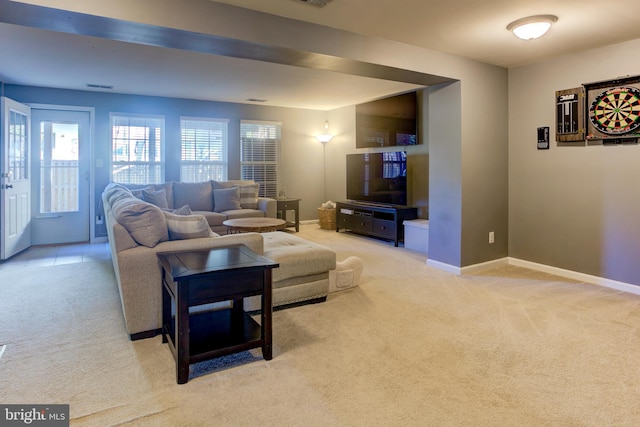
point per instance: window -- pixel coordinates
(59, 166)
(137, 145)
(18, 146)
(204, 149)
(260, 155)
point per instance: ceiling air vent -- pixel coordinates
(97, 86)
(316, 3)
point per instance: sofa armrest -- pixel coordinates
(268, 206)
(140, 276)
(121, 239)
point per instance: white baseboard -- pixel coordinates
(470, 269)
(442, 266)
(587, 278)
(582, 277)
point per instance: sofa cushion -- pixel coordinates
(198, 195)
(144, 222)
(248, 191)
(136, 190)
(182, 227)
(155, 197)
(244, 213)
(226, 199)
(213, 218)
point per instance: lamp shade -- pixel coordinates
(532, 27)
(325, 137)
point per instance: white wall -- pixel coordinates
(575, 208)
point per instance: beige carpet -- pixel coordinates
(412, 345)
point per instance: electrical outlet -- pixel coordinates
(491, 237)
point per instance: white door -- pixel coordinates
(60, 176)
(15, 186)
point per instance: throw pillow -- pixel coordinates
(182, 227)
(115, 192)
(198, 195)
(144, 221)
(158, 198)
(249, 196)
(185, 210)
(231, 183)
(226, 199)
(248, 191)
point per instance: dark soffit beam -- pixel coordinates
(63, 21)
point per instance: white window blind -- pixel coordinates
(260, 155)
(204, 149)
(137, 144)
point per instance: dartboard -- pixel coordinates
(616, 111)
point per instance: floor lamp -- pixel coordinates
(324, 138)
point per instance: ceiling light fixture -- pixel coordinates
(532, 27)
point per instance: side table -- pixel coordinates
(285, 205)
(193, 278)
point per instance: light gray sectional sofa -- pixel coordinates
(138, 229)
(233, 199)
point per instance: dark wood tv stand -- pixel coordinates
(376, 220)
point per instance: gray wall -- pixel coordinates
(574, 208)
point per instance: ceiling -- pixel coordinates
(467, 28)
(472, 28)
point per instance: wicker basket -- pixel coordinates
(327, 218)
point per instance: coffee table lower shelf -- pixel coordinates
(217, 333)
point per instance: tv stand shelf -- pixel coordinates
(376, 220)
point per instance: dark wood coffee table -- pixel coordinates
(194, 278)
(258, 225)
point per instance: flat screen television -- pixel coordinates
(387, 122)
(379, 178)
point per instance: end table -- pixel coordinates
(198, 277)
(285, 205)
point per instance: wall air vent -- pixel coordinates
(316, 3)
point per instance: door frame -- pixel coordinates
(92, 171)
